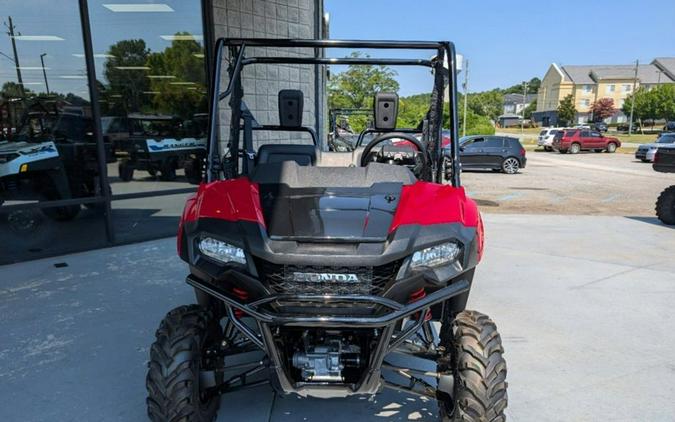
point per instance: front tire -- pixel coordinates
(125, 171)
(167, 172)
(611, 147)
(474, 356)
(176, 358)
(548, 149)
(665, 206)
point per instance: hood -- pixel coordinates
(6, 147)
(362, 214)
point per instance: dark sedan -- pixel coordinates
(499, 153)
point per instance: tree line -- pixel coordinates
(356, 87)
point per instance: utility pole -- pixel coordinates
(44, 71)
(522, 117)
(466, 93)
(10, 27)
(632, 103)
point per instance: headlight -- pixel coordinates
(435, 256)
(221, 251)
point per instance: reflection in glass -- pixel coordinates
(152, 85)
(47, 146)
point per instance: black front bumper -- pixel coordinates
(385, 311)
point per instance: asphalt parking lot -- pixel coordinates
(583, 184)
(584, 305)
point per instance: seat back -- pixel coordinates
(304, 155)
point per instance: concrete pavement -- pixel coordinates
(584, 305)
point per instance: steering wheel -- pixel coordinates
(391, 135)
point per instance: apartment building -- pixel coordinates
(588, 83)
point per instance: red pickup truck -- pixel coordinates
(575, 140)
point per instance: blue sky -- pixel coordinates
(510, 41)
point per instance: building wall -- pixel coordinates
(262, 83)
(553, 89)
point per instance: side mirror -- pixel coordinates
(461, 149)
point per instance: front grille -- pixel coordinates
(326, 280)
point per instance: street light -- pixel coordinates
(522, 118)
(632, 103)
(44, 71)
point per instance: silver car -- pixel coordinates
(645, 152)
(545, 138)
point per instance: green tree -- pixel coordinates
(181, 92)
(566, 110)
(646, 106)
(531, 108)
(489, 104)
(127, 79)
(664, 99)
(412, 110)
(356, 86)
(475, 124)
(532, 87)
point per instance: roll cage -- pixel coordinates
(431, 124)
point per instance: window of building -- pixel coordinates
(625, 88)
(585, 102)
(49, 152)
(587, 89)
(151, 85)
(610, 88)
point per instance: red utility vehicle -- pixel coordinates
(576, 140)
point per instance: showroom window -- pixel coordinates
(152, 88)
(48, 152)
(57, 177)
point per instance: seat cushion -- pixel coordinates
(304, 155)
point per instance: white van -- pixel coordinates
(545, 138)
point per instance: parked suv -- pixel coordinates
(546, 136)
(575, 140)
(498, 153)
(646, 152)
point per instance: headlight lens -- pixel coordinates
(221, 251)
(436, 256)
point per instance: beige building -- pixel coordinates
(590, 83)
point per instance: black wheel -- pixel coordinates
(611, 147)
(548, 149)
(176, 358)
(193, 172)
(510, 165)
(167, 172)
(66, 213)
(665, 206)
(125, 171)
(474, 357)
(24, 222)
(575, 148)
(152, 172)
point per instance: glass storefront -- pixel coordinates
(56, 174)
